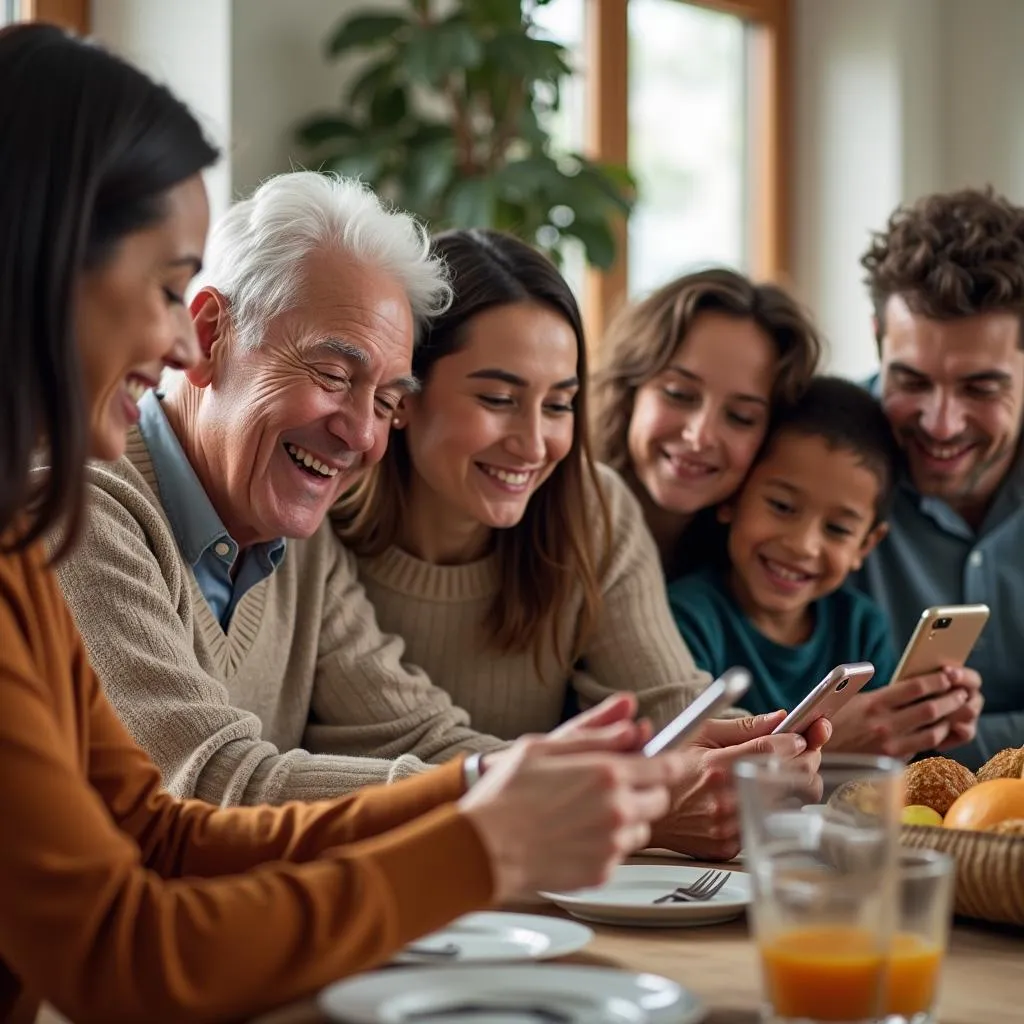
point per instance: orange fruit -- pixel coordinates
(987, 804)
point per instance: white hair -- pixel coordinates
(255, 252)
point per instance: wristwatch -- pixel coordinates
(472, 770)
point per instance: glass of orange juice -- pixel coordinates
(922, 931)
(824, 862)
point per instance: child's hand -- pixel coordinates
(911, 716)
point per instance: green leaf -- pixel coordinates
(372, 80)
(492, 14)
(471, 203)
(388, 107)
(432, 54)
(523, 56)
(597, 239)
(321, 128)
(427, 174)
(364, 30)
(366, 165)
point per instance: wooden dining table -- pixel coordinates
(982, 978)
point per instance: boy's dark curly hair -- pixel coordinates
(949, 255)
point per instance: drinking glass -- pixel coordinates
(926, 881)
(824, 869)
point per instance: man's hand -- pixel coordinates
(704, 820)
(963, 724)
(910, 716)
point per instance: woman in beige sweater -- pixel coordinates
(519, 573)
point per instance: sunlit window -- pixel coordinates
(687, 140)
(688, 132)
(563, 22)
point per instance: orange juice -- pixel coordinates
(838, 974)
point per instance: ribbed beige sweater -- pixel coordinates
(303, 698)
(439, 610)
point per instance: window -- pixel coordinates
(72, 14)
(687, 140)
(692, 95)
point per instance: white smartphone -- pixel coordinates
(721, 694)
(943, 636)
(828, 696)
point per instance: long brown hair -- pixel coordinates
(88, 147)
(555, 547)
(644, 337)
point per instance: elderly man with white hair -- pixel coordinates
(249, 665)
(225, 620)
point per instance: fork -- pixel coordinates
(707, 886)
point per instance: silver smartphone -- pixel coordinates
(721, 694)
(943, 636)
(828, 696)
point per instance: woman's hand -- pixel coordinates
(558, 813)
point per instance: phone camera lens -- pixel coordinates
(941, 623)
(842, 685)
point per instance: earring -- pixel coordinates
(396, 422)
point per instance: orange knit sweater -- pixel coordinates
(120, 903)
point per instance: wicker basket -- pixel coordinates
(989, 870)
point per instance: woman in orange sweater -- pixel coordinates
(118, 902)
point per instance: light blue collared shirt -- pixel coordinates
(933, 557)
(202, 538)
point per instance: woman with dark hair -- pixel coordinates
(684, 396)
(117, 902)
(518, 572)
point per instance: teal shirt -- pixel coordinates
(848, 626)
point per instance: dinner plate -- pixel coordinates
(480, 938)
(520, 994)
(628, 898)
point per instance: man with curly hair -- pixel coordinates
(946, 279)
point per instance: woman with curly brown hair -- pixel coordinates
(685, 393)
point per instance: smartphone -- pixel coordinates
(828, 696)
(942, 636)
(721, 694)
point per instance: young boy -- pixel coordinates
(812, 508)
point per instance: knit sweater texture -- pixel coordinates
(440, 612)
(303, 698)
(120, 903)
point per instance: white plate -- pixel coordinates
(628, 898)
(573, 995)
(482, 938)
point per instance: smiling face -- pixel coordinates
(803, 521)
(493, 421)
(131, 319)
(278, 431)
(697, 426)
(954, 392)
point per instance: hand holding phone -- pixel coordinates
(721, 694)
(944, 636)
(828, 696)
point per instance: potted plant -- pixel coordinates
(447, 119)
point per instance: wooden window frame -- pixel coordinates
(72, 14)
(770, 105)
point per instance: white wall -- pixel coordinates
(280, 75)
(187, 45)
(894, 99)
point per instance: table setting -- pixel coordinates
(827, 916)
